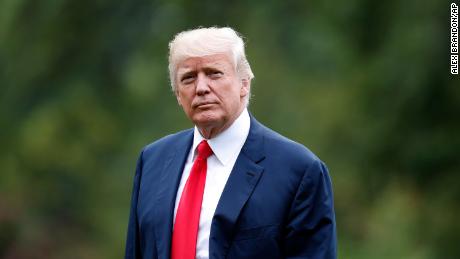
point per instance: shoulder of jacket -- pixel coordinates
(167, 141)
(287, 147)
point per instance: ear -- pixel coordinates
(178, 99)
(245, 85)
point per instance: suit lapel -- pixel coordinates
(166, 195)
(239, 187)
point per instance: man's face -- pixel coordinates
(210, 91)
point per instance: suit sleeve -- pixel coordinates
(133, 239)
(310, 231)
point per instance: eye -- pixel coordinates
(187, 79)
(215, 74)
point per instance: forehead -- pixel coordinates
(218, 61)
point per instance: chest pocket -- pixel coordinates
(269, 231)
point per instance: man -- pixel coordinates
(230, 187)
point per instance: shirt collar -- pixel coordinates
(227, 144)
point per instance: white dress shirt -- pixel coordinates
(226, 147)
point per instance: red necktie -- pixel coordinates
(188, 213)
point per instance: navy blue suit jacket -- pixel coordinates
(277, 202)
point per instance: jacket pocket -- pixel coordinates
(257, 232)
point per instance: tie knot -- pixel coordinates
(204, 150)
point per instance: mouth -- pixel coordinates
(205, 105)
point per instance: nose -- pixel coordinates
(202, 85)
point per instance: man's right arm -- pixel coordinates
(133, 250)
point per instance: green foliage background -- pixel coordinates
(365, 84)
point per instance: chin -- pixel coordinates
(206, 119)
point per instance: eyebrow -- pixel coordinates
(210, 67)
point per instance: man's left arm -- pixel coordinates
(310, 231)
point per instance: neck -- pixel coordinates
(209, 133)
